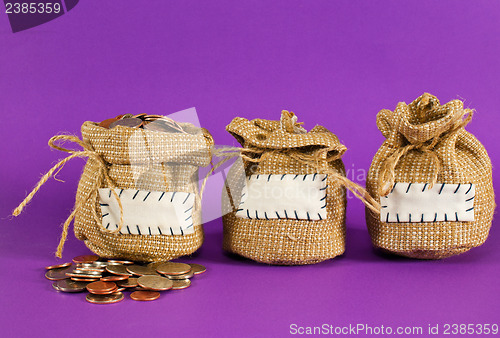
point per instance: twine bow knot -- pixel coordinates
(93, 193)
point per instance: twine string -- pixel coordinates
(387, 175)
(93, 193)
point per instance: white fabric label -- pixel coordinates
(284, 196)
(415, 202)
(148, 212)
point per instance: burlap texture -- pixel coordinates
(461, 159)
(141, 159)
(284, 241)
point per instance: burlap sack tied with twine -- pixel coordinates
(140, 170)
(433, 180)
(304, 225)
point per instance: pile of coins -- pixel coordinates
(106, 280)
(145, 121)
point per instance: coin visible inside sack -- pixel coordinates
(105, 299)
(155, 283)
(197, 268)
(140, 270)
(131, 122)
(68, 285)
(173, 268)
(145, 295)
(180, 284)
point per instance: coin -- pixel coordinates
(91, 270)
(68, 285)
(78, 279)
(100, 287)
(115, 261)
(155, 283)
(107, 122)
(58, 266)
(83, 275)
(145, 295)
(140, 270)
(118, 270)
(154, 265)
(131, 122)
(85, 259)
(114, 278)
(188, 275)
(120, 289)
(57, 274)
(180, 284)
(197, 268)
(104, 299)
(171, 268)
(128, 283)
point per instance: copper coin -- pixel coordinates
(105, 299)
(145, 295)
(107, 122)
(116, 261)
(154, 265)
(155, 283)
(114, 278)
(171, 268)
(197, 268)
(58, 266)
(130, 122)
(100, 287)
(188, 275)
(85, 259)
(140, 270)
(54, 285)
(180, 284)
(128, 283)
(57, 274)
(68, 285)
(108, 292)
(118, 270)
(78, 279)
(120, 289)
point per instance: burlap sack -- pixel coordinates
(130, 158)
(426, 143)
(279, 148)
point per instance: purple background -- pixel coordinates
(335, 63)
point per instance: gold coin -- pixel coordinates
(154, 265)
(140, 270)
(188, 275)
(171, 268)
(180, 284)
(197, 268)
(104, 299)
(155, 283)
(118, 270)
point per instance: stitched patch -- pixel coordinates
(284, 196)
(148, 212)
(415, 202)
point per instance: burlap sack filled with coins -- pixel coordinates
(281, 226)
(138, 196)
(433, 180)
